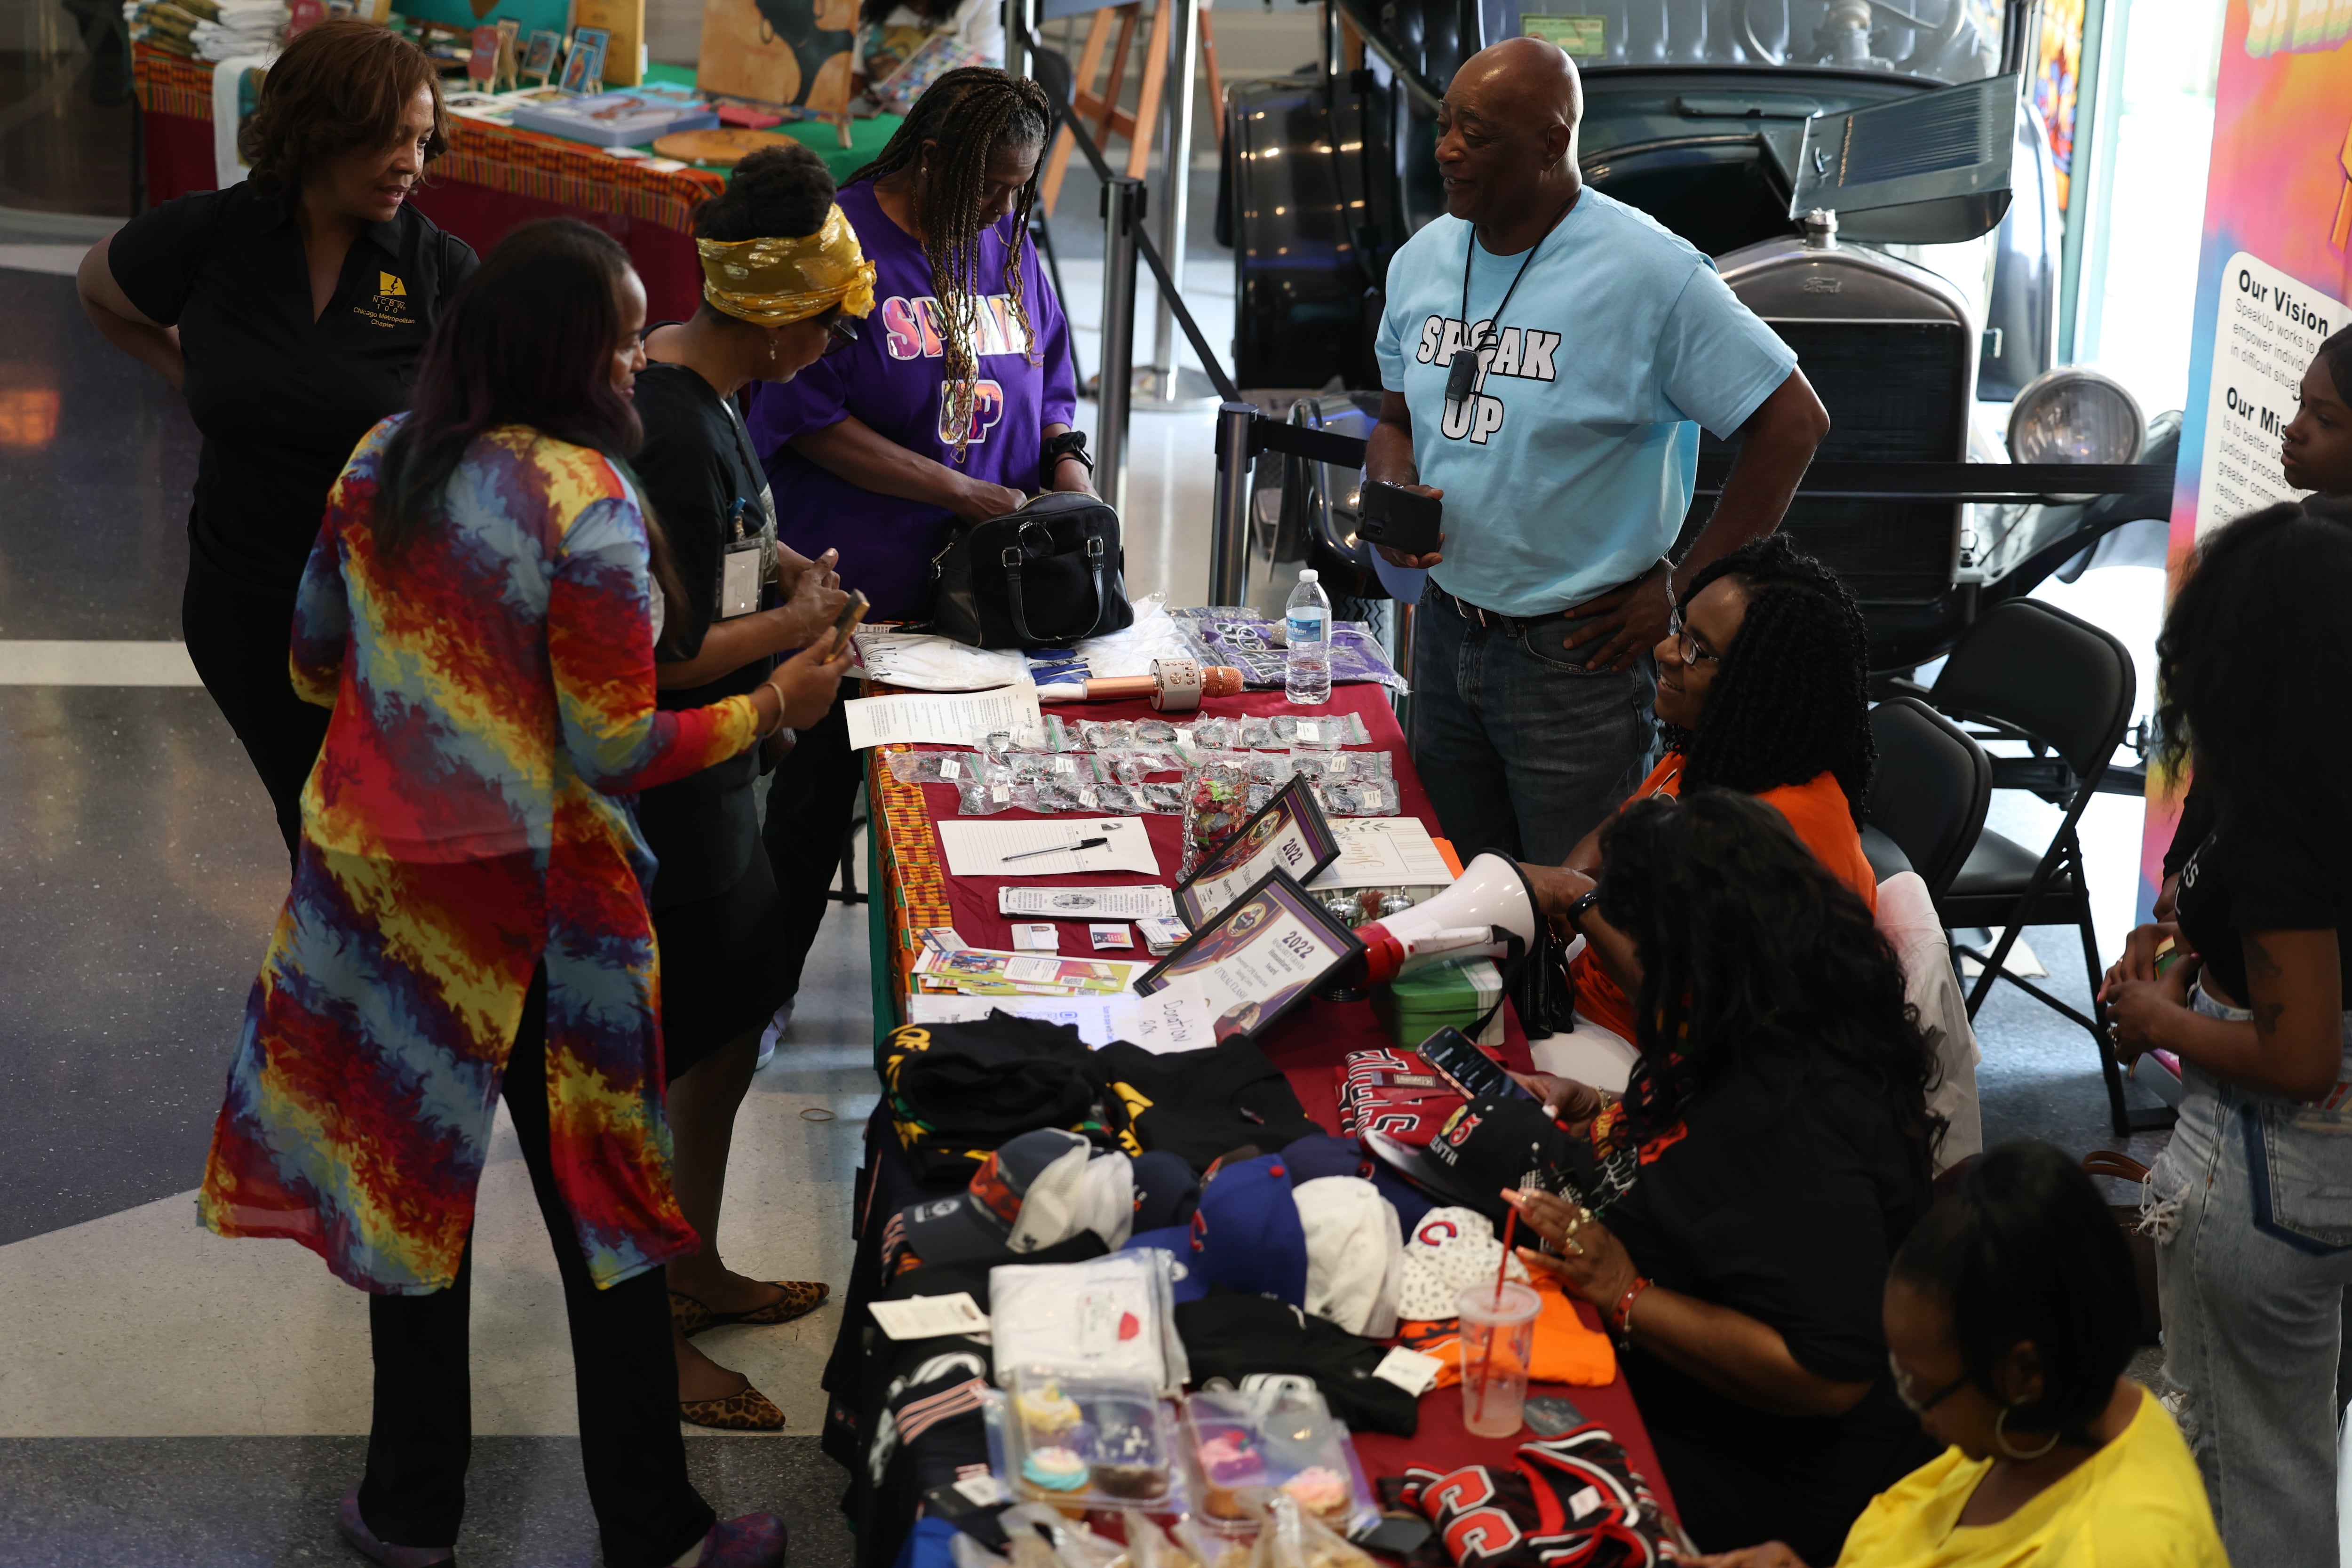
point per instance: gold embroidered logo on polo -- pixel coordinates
(389, 287)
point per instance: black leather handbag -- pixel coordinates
(1047, 576)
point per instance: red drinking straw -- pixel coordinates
(1511, 1226)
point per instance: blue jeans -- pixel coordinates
(2251, 1206)
(1522, 749)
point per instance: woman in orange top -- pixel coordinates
(1763, 687)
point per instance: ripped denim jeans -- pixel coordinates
(2251, 1205)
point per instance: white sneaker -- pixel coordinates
(778, 1027)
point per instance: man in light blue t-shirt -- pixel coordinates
(1603, 342)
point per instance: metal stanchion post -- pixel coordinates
(1123, 201)
(1163, 385)
(1229, 522)
(1020, 21)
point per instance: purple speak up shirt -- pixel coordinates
(894, 379)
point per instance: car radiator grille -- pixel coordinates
(1896, 392)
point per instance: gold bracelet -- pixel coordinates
(781, 709)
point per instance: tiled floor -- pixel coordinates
(169, 1397)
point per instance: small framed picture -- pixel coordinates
(1254, 960)
(584, 71)
(1289, 833)
(538, 58)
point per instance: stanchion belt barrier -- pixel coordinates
(1143, 245)
(1822, 482)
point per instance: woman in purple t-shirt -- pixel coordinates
(955, 404)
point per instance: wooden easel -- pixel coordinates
(1103, 107)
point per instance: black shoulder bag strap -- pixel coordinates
(1010, 558)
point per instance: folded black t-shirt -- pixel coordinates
(1203, 1104)
(1234, 1337)
(1784, 1198)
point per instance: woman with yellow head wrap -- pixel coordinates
(783, 284)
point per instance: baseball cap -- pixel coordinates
(1040, 1188)
(1484, 1146)
(1355, 1256)
(1449, 1250)
(1245, 1235)
(1166, 1190)
(1325, 1154)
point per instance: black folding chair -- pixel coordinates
(1928, 796)
(2028, 672)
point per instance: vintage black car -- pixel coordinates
(1868, 178)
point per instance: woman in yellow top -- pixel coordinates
(2009, 1322)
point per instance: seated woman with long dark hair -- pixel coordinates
(468, 912)
(1763, 687)
(1740, 1203)
(2009, 1318)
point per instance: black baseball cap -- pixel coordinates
(1483, 1147)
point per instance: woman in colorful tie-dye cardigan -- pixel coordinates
(468, 914)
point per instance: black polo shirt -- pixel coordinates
(282, 399)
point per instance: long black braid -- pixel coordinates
(945, 144)
(1792, 700)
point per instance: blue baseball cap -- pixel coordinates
(1325, 1154)
(1245, 1236)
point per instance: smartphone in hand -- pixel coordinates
(845, 623)
(1403, 519)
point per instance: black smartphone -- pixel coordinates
(1475, 1075)
(1399, 518)
(1548, 1416)
(847, 622)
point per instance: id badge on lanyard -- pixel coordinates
(743, 571)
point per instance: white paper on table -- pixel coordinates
(1137, 903)
(978, 847)
(1180, 1018)
(939, 717)
(1381, 852)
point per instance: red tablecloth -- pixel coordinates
(1307, 1043)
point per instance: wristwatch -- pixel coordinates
(1068, 444)
(1577, 910)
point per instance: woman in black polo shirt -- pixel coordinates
(783, 279)
(290, 309)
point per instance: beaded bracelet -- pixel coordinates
(1623, 1311)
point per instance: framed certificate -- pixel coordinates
(1289, 833)
(1254, 960)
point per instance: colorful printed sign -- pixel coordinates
(2273, 280)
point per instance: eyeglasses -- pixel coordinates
(1917, 1406)
(840, 333)
(1686, 647)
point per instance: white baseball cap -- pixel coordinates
(1449, 1250)
(1355, 1256)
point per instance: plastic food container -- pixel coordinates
(1258, 1441)
(1088, 1440)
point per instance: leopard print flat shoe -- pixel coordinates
(745, 1410)
(800, 1298)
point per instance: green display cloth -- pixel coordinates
(867, 137)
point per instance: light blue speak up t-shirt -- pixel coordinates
(1571, 469)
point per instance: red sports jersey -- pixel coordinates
(1572, 1501)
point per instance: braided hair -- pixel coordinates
(1791, 698)
(965, 117)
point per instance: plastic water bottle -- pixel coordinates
(1307, 628)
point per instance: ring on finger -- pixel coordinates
(1575, 1246)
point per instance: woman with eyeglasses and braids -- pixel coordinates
(1763, 687)
(783, 283)
(2009, 1318)
(955, 406)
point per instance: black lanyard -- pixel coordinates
(1462, 370)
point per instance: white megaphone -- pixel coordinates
(1491, 899)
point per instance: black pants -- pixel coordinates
(809, 805)
(414, 1493)
(238, 636)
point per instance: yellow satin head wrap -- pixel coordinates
(771, 282)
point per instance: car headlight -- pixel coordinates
(2074, 416)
